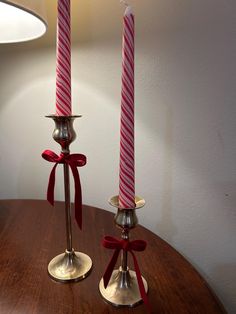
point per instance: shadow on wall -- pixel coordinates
(166, 225)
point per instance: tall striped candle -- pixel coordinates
(127, 176)
(63, 70)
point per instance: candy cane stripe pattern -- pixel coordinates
(127, 175)
(63, 70)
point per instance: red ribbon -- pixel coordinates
(74, 161)
(128, 246)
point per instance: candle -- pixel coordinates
(126, 176)
(63, 70)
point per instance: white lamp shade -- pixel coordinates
(21, 20)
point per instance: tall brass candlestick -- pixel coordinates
(71, 265)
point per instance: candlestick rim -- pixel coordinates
(139, 202)
(54, 116)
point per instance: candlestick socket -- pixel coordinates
(139, 202)
(126, 218)
(64, 133)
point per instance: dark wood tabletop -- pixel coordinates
(32, 232)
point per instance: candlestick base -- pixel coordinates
(123, 289)
(70, 266)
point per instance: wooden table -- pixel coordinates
(32, 232)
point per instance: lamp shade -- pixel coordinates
(21, 20)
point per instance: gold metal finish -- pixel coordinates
(64, 133)
(71, 265)
(139, 202)
(123, 289)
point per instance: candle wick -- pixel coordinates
(124, 2)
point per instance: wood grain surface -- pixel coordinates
(32, 233)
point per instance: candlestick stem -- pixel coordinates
(124, 256)
(67, 207)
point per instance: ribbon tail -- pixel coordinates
(140, 283)
(78, 195)
(110, 268)
(51, 185)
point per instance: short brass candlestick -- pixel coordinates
(69, 266)
(123, 289)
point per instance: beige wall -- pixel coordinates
(185, 121)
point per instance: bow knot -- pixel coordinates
(52, 157)
(61, 159)
(128, 246)
(74, 161)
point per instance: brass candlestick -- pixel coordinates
(123, 289)
(69, 266)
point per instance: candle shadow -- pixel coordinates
(166, 227)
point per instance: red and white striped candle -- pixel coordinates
(127, 175)
(63, 70)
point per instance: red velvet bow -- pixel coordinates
(74, 161)
(128, 246)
